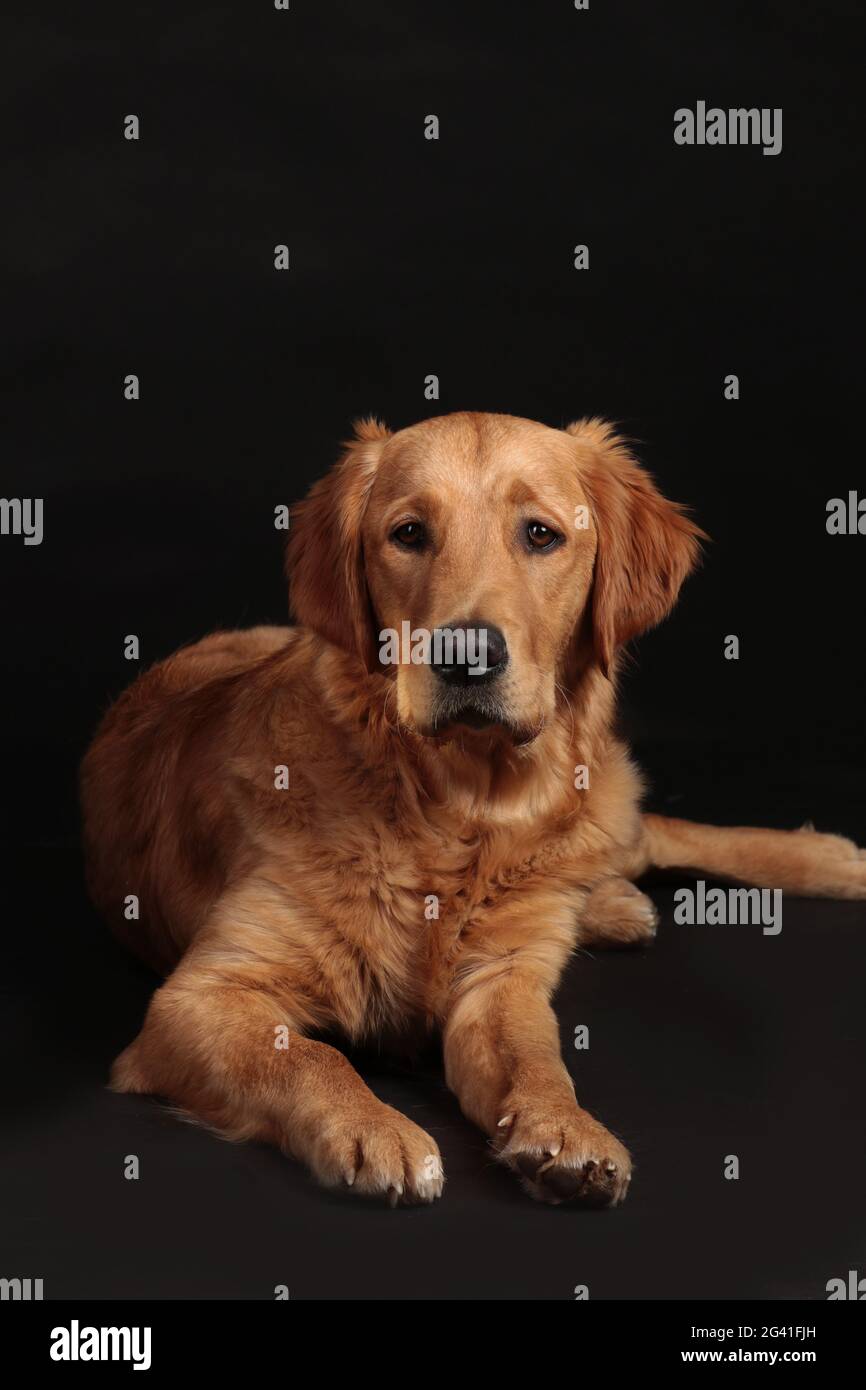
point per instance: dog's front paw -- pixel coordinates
(562, 1154)
(379, 1152)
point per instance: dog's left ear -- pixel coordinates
(324, 558)
(646, 544)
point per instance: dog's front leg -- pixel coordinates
(227, 1045)
(503, 1062)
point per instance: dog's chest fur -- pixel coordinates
(383, 906)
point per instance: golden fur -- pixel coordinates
(280, 914)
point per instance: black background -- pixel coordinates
(411, 257)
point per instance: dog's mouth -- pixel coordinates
(472, 719)
(477, 712)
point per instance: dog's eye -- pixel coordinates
(410, 534)
(539, 536)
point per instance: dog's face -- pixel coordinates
(470, 530)
(478, 560)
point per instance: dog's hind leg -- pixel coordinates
(802, 862)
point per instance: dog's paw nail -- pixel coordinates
(349, 1176)
(553, 1150)
(506, 1120)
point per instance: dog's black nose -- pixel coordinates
(468, 653)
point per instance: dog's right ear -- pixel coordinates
(324, 558)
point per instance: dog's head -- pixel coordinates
(483, 561)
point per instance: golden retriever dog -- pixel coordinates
(309, 840)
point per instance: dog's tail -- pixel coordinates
(801, 862)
